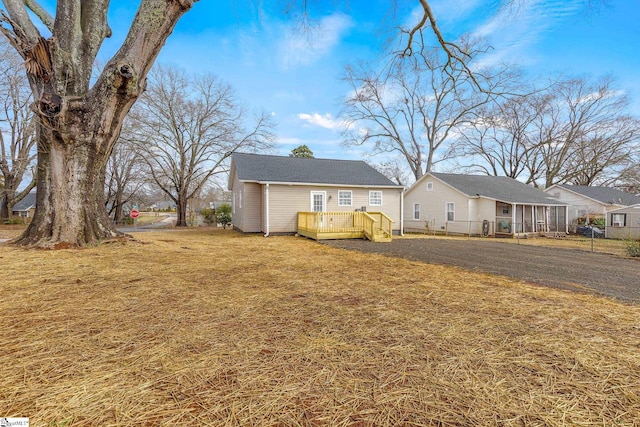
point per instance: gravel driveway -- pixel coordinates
(576, 270)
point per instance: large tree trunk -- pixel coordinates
(117, 212)
(76, 135)
(80, 118)
(70, 197)
(181, 211)
(4, 207)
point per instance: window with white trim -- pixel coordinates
(345, 198)
(429, 186)
(240, 199)
(375, 198)
(451, 209)
(416, 211)
(619, 220)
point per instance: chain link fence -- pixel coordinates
(613, 239)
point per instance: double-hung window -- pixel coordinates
(375, 198)
(416, 211)
(451, 209)
(345, 198)
(619, 220)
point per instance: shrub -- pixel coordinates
(208, 216)
(14, 221)
(633, 248)
(223, 214)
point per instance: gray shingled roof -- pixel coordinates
(25, 204)
(265, 168)
(604, 194)
(500, 188)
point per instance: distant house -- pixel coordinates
(587, 203)
(480, 205)
(268, 192)
(25, 207)
(623, 223)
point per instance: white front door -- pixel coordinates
(318, 201)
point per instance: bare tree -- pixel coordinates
(606, 155)
(124, 174)
(78, 118)
(583, 130)
(187, 130)
(416, 107)
(629, 178)
(393, 170)
(573, 131)
(500, 142)
(17, 132)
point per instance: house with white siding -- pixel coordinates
(269, 192)
(587, 203)
(623, 223)
(480, 205)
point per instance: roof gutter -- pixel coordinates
(320, 184)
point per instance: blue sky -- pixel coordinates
(296, 76)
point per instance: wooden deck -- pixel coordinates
(375, 226)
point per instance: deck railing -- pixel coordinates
(342, 225)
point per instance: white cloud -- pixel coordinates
(512, 31)
(304, 47)
(326, 121)
(511, 28)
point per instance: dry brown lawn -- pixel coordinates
(216, 328)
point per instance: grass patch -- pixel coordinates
(210, 327)
(9, 231)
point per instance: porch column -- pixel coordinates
(547, 219)
(514, 224)
(534, 218)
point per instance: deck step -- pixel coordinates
(380, 235)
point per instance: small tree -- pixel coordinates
(208, 216)
(223, 214)
(302, 151)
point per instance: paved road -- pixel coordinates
(576, 270)
(167, 222)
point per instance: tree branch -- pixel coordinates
(23, 28)
(44, 16)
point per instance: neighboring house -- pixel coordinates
(269, 191)
(480, 205)
(587, 203)
(25, 207)
(623, 223)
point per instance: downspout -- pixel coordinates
(402, 212)
(266, 202)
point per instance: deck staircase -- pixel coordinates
(375, 226)
(379, 235)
